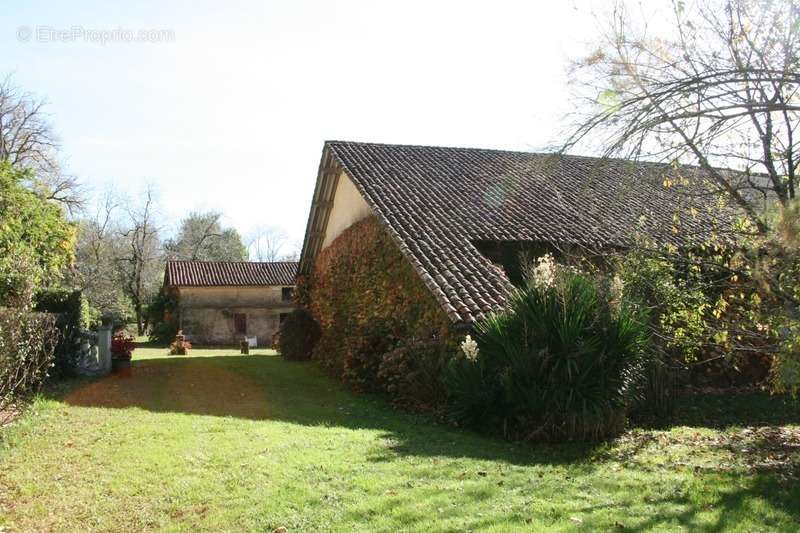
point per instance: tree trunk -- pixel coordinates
(139, 323)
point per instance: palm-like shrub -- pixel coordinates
(298, 334)
(559, 362)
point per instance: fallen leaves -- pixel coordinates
(773, 449)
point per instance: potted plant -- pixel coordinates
(122, 347)
(180, 346)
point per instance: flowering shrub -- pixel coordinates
(122, 346)
(616, 290)
(470, 349)
(557, 363)
(368, 301)
(543, 274)
(174, 349)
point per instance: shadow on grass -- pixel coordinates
(734, 505)
(723, 411)
(735, 508)
(263, 387)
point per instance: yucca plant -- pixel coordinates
(558, 363)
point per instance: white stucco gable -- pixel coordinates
(337, 204)
(348, 208)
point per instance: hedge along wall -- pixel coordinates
(382, 330)
(27, 341)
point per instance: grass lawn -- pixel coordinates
(215, 441)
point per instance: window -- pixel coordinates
(287, 293)
(240, 323)
(283, 317)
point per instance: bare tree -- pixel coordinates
(95, 271)
(717, 88)
(268, 243)
(141, 260)
(293, 254)
(27, 141)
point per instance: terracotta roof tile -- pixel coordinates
(437, 202)
(224, 273)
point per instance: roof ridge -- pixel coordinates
(233, 262)
(643, 162)
(230, 273)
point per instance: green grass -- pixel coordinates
(215, 441)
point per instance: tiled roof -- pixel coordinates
(224, 273)
(437, 202)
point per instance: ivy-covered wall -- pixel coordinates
(381, 328)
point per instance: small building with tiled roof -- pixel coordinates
(221, 302)
(449, 210)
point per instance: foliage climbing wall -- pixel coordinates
(381, 327)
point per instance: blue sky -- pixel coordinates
(232, 112)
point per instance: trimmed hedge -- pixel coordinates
(73, 315)
(369, 302)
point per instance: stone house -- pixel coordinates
(221, 302)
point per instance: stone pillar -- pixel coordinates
(104, 348)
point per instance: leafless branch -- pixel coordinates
(718, 91)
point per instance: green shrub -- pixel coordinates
(411, 372)
(163, 332)
(27, 341)
(559, 363)
(297, 336)
(363, 352)
(162, 315)
(36, 240)
(713, 323)
(73, 315)
(679, 300)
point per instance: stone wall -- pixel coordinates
(208, 315)
(231, 297)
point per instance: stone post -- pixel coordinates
(104, 348)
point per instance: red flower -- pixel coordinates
(122, 346)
